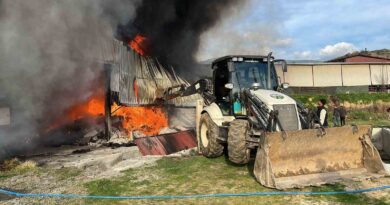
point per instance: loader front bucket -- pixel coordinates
(314, 157)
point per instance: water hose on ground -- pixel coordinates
(357, 191)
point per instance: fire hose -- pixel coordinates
(356, 191)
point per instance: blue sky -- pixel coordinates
(300, 29)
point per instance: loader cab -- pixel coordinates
(232, 74)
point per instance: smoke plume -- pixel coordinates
(50, 53)
(254, 28)
(174, 28)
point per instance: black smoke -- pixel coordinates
(50, 56)
(174, 28)
(51, 51)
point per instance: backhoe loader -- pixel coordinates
(244, 107)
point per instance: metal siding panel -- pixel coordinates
(355, 75)
(150, 77)
(299, 76)
(167, 143)
(114, 82)
(380, 74)
(327, 75)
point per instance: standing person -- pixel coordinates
(343, 115)
(322, 113)
(336, 114)
(388, 112)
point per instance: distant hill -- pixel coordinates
(303, 61)
(385, 53)
(382, 53)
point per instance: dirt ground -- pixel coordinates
(123, 171)
(64, 169)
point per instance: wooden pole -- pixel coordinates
(107, 101)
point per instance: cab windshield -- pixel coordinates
(248, 73)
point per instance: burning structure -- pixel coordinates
(136, 83)
(52, 76)
(130, 90)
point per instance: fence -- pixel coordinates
(336, 74)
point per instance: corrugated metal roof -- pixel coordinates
(141, 80)
(167, 143)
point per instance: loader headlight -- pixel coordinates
(235, 59)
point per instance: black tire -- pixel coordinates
(208, 134)
(237, 150)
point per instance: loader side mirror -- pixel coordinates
(283, 64)
(229, 86)
(255, 86)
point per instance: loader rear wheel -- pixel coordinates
(237, 150)
(208, 134)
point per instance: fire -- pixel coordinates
(135, 85)
(147, 120)
(137, 44)
(92, 107)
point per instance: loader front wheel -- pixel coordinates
(237, 150)
(208, 134)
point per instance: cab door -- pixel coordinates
(221, 77)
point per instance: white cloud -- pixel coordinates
(282, 42)
(303, 55)
(338, 49)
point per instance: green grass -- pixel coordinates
(342, 198)
(356, 98)
(13, 167)
(7, 174)
(356, 117)
(60, 174)
(364, 97)
(67, 173)
(372, 115)
(200, 175)
(194, 175)
(365, 117)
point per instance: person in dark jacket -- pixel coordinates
(343, 115)
(322, 113)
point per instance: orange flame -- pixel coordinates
(135, 85)
(147, 120)
(92, 107)
(137, 44)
